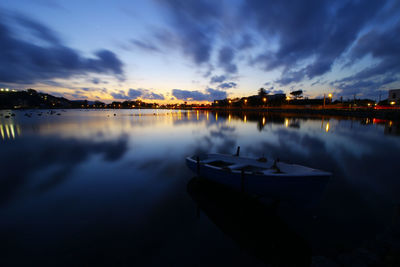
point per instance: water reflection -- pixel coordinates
(9, 130)
(392, 128)
(66, 173)
(52, 159)
(255, 226)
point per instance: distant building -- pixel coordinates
(394, 95)
(276, 97)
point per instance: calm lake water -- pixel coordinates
(94, 188)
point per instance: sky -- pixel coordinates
(169, 51)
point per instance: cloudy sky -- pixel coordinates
(200, 50)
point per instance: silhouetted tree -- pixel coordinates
(297, 94)
(262, 92)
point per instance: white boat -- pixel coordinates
(259, 176)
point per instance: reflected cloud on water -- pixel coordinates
(52, 159)
(113, 122)
(255, 226)
(93, 164)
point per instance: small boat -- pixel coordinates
(259, 176)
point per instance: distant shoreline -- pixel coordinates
(392, 114)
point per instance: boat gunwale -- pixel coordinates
(312, 172)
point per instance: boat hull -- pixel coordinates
(283, 186)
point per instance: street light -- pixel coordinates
(330, 98)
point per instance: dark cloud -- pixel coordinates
(96, 80)
(91, 89)
(386, 51)
(216, 94)
(302, 41)
(78, 95)
(218, 79)
(47, 58)
(291, 77)
(189, 95)
(208, 71)
(319, 81)
(136, 93)
(153, 96)
(225, 60)
(38, 30)
(275, 91)
(368, 88)
(319, 32)
(53, 83)
(247, 41)
(194, 26)
(209, 95)
(227, 85)
(145, 45)
(120, 95)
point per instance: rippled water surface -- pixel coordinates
(110, 187)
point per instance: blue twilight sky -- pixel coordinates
(186, 50)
